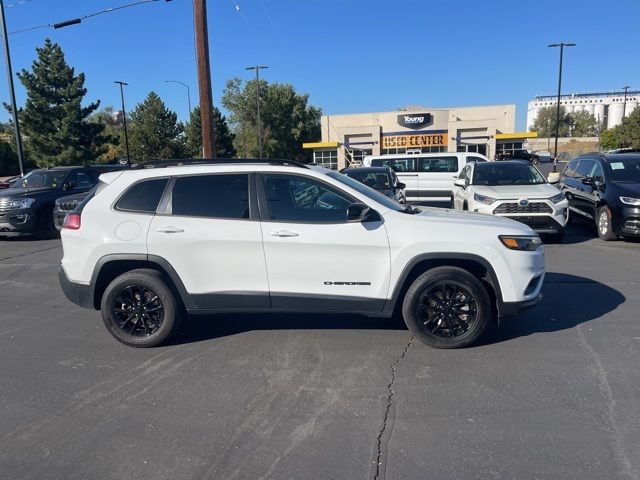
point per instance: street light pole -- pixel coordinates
(14, 106)
(124, 119)
(624, 104)
(257, 68)
(555, 153)
(188, 93)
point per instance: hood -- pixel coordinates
(505, 225)
(27, 192)
(515, 192)
(622, 189)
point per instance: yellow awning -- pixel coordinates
(320, 145)
(516, 135)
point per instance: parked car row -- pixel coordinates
(27, 206)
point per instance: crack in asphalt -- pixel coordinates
(387, 411)
(29, 253)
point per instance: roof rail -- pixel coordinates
(217, 161)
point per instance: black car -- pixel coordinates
(605, 190)
(27, 207)
(382, 179)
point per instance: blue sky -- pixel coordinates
(349, 55)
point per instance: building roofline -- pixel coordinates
(421, 109)
(584, 94)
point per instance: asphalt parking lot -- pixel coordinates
(554, 393)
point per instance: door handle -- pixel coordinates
(283, 233)
(169, 230)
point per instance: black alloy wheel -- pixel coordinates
(447, 307)
(447, 310)
(137, 311)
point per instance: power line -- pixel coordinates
(80, 19)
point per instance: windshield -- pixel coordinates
(42, 179)
(375, 180)
(624, 170)
(369, 192)
(496, 173)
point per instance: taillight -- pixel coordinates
(71, 221)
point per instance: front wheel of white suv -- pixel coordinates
(447, 307)
(139, 309)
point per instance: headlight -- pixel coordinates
(482, 199)
(20, 203)
(558, 198)
(630, 201)
(527, 243)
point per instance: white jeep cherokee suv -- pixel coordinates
(247, 235)
(514, 189)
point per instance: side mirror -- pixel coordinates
(359, 212)
(589, 181)
(460, 183)
(401, 186)
(68, 186)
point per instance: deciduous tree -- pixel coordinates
(287, 119)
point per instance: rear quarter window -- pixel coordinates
(143, 197)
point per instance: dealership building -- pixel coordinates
(347, 139)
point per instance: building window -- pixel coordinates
(326, 158)
(359, 154)
(508, 148)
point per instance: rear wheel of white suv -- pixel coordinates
(139, 309)
(447, 307)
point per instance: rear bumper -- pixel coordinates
(77, 293)
(507, 309)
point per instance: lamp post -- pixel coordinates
(624, 104)
(188, 92)
(257, 68)
(14, 107)
(124, 119)
(555, 152)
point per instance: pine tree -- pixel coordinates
(54, 122)
(155, 133)
(193, 135)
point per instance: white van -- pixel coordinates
(428, 177)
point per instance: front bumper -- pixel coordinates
(550, 222)
(17, 221)
(628, 221)
(76, 292)
(507, 309)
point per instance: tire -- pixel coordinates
(45, 228)
(603, 225)
(428, 297)
(126, 304)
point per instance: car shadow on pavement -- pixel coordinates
(563, 307)
(206, 327)
(569, 300)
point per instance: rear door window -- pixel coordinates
(475, 159)
(438, 164)
(212, 196)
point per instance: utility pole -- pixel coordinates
(14, 106)
(257, 68)
(124, 120)
(555, 153)
(204, 78)
(624, 104)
